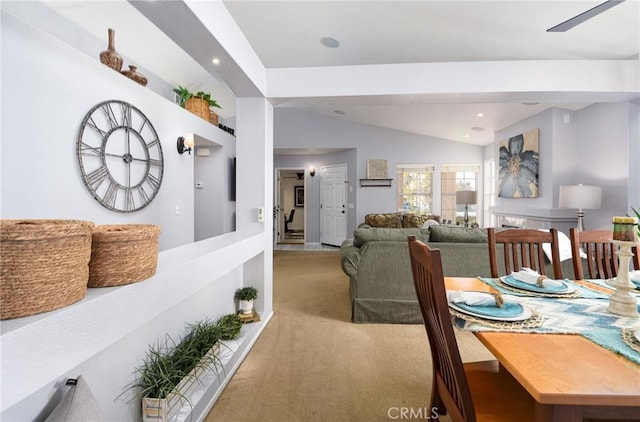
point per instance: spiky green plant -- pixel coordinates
(166, 363)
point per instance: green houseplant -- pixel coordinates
(199, 103)
(184, 95)
(171, 369)
(246, 296)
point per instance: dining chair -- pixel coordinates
(601, 260)
(468, 392)
(523, 248)
(288, 220)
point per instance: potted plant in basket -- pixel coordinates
(199, 103)
(172, 369)
(246, 296)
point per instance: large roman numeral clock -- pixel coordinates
(120, 156)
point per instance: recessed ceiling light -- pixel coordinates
(329, 42)
(531, 103)
(477, 128)
(480, 115)
(215, 61)
(340, 112)
(466, 135)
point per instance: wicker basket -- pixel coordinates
(198, 106)
(213, 118)
(123, 254)
(44, 265)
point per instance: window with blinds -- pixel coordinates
(414, 182)
(458, 177)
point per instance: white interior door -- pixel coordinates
(333, 205)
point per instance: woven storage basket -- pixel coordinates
(198, 106)
(123, 254)
(44, 265)
(213, 118)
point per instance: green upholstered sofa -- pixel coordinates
(376, 260)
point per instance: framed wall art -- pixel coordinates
(518, 172)
(298, 199)
(376, 169)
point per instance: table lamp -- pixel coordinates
(466, 197)
(580, 197)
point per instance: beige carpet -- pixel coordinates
(312, 364)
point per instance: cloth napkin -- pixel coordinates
(475, 298)
(529, 276)
(634, 276)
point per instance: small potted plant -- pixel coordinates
(246, 296)
(199, 103)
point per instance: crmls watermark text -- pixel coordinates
(413, 413)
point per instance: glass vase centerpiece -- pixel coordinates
(625, 236)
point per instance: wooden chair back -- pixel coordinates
(601, 260)
(450, 392)
(523, 248)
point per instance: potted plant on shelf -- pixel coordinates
(246, 296)
(199, 103)
(172, 369)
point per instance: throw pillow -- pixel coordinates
(455, 234)
(77, 405)
(389, 220)
(429, 223)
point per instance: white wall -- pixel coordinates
(47, 88)
(298, 129)
(592, 146)
(607, 143)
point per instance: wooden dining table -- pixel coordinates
(570, 377)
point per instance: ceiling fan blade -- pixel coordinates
(578, 19)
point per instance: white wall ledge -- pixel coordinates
(80, 331)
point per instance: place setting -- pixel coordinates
(492, 309)
(528, 282)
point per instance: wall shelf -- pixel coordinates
(375, 182)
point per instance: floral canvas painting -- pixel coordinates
(518, 176)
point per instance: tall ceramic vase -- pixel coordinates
(109, 57)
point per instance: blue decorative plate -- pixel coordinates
(564, 288)
(508, 310)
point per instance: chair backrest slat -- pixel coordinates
(600, 251)
(523, 248)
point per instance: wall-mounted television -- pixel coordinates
(232, 179)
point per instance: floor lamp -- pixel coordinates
(580, 197)
(466, 197)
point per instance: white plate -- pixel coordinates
(526, 314)
(534, 288)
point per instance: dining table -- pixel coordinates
(570, 376)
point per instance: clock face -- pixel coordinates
(120, 156)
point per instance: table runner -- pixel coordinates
(587, 317)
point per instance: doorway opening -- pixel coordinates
(289, 215)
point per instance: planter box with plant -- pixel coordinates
(199, 103)
(246, 296)
(172, 369)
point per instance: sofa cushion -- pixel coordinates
(383, 234)
(389, 220)
(414, 220)
(455, 234)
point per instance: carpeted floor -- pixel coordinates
(312, 364)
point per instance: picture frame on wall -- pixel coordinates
(298, 199)
(376, 169)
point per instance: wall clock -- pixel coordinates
(120, 156)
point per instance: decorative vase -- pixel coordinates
(246, 306)
(109, 57)
(133, 74)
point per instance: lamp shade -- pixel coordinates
(580, 197)
(466, 197)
